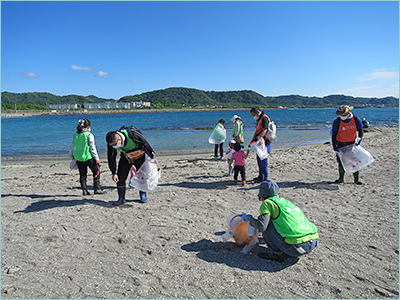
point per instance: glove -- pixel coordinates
(153, 155)
(357, 141)
(246, 217)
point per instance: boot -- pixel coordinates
(121, 195)
(357, 177)
(341, 174)
(84, 186)
(143, 196)
(97, 188)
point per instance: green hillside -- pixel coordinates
(180, 97)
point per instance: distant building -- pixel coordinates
(63, 106)
(115, 105)
(106, 105)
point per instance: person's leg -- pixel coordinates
(95, 168)
(341, 171)
(258, 179)
(215, 151)
(243, 175)
(235, 174)
(357, 177)
(122, 172)
(221, 150)
(138, 163)
(82, 167)
(278, 246)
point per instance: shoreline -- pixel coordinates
(166, 110)
(10, 159)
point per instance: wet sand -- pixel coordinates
(56, 243)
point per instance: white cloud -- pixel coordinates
(134, 80)
(101, 73)
(379, 83)
(32, 75)
(381, 74)
(80, 68)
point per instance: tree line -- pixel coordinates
(186, 97)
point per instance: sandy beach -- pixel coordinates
(56, 243)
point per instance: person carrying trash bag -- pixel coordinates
(133, 146)
(261, 131)
(284, 226)
(344, 133)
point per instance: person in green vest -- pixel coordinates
(237, 133)
(128, 140)
(284, 226)
(83, 150)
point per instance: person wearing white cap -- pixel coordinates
(344, 132)
(285, 228)
(237, 133)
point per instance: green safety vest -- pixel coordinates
(289, 220)
(80, 148)
(130, 145)
(240, 128)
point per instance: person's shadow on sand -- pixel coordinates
(229, 254)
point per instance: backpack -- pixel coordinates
(271, 133)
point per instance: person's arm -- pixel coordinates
(111, 157)
(261, 223)
(137, 137)
(93, 149)
(247, 154)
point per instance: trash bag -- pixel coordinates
(244, 235)
(146, 178)
(260, 148)
(73, 165)
(218, 135)
(354, 158)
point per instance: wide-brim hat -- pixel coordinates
(344, 110)
(235, 117)
(268, 188)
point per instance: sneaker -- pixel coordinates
(143, 197)
(215, 158)
(244, 183)
(235, 182)
(272, 256)
(257, 179)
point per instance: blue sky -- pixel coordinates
(115, 49)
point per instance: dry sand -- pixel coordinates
(56, 243)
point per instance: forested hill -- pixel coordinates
(187, 97)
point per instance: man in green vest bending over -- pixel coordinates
(133, 145)
(284, 226)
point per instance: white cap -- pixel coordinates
(234, 117)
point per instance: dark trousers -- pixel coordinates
(124, 166)
(221, 150)
(242, 171)
(82, 167)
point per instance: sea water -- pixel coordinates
(174, 132)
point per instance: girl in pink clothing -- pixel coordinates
(238, 157)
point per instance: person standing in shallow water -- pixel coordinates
(344, 133)
(83, 149)
(130, 142)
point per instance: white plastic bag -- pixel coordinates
(271, 133)
(244, 235)
(146, 178)
(218, 135)
(354, 158)
(73, 165)
(260, 148)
